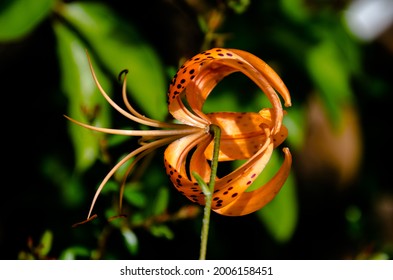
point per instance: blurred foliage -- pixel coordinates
(337, 203)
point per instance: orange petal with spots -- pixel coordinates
(242, 134)
(250, 136)
(199, 163)
(248, 202)
(176, 153)
(267, 72)
(199, 75)
(175, 158)
(231, 186)
(278, 137)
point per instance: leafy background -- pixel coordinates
(337, 203)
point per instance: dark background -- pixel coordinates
(344, 207)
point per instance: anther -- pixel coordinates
(123, 72)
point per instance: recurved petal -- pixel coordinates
(267, 72)
(199, 75)
(241, 135)
(279, 136)
(248, 202)
(175, 159)
(180, 112)
(230, 187)
(199, 162)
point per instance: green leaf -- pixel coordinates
(238, 6)
(134, 195)
(46, 243)
(69, 186)
(130, 239)
(295, 9)
(328, 70)
(161, 201)
(19, 17)
(86, 103)
(73, 252)
(162, 231)
(120, 46)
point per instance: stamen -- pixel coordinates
(125, 72)
(85, 221)
(128, 171)
(136, 113)
(184, 131)
(151, 146)
(138, 118)
(191, 119)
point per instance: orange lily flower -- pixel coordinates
(249, 135)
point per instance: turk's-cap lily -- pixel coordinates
(249, 136)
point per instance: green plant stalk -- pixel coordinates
(208, 190)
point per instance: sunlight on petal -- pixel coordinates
(249, 202)
(249, 136)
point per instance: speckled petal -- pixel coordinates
(248, 202)
(242, 134)
(230, 187)
(175, 158)
(200, 74)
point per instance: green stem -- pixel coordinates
(208, 190)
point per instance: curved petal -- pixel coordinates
(242, 134)
(248, 202)
(175, 157)
(268, 72)
(250, 136)
(200, 74)
(199, 163)
(279, 136)
(180, 112)
(229, 188)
